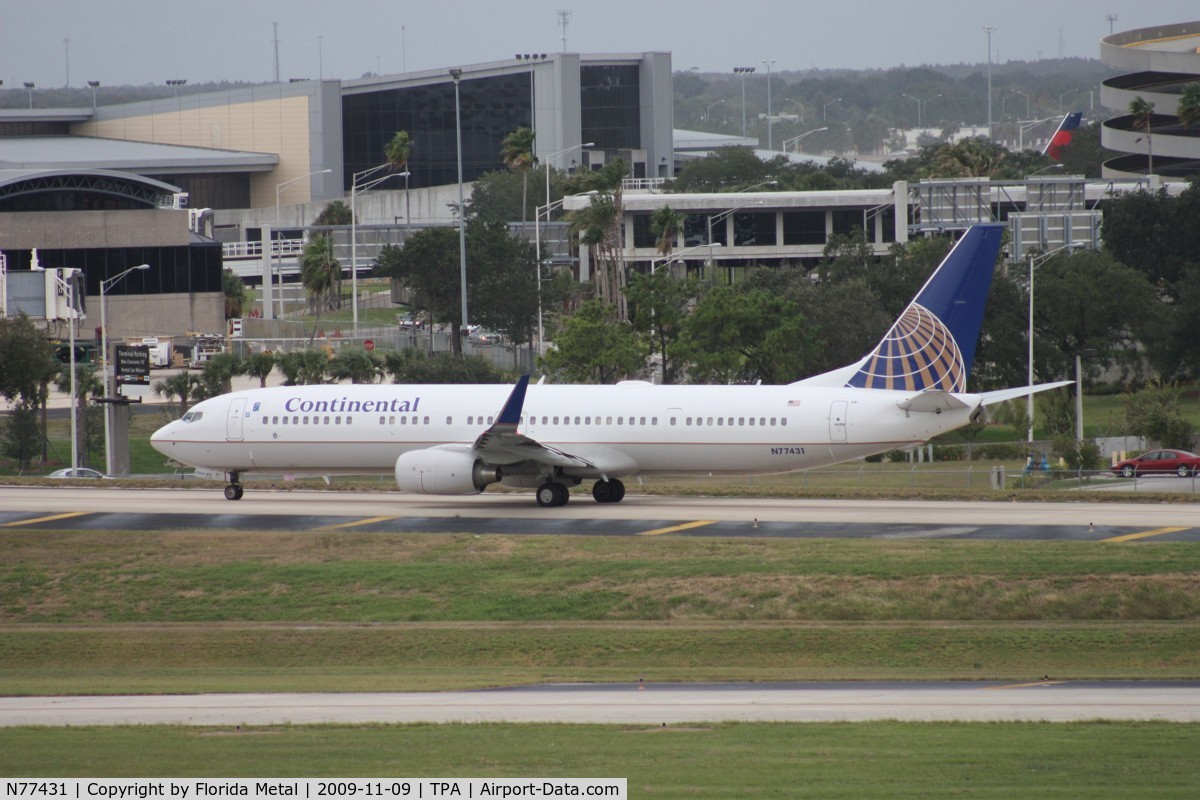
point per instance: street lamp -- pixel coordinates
(921, 107)
(1058, 165)
(456, 75)
(281, 186)
(1028, 126)
(29, 88)
(825, 109)
(989, 30)
(1034, 261)
(1015, 91)
(795, 140)
(95, 85)
(674, 257)
(708, 109)
(548, 160)
(537, 237)
(743, 71)
(768, 62)
(355, 188)
(108, 390)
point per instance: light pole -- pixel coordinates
(456, 74)
(768, 62)
(673, 257)
(795, 140)
(1034, 261)
(95, 85)
(989, 29)
(548, 160)
(921, 107)
(537, 237)
(708, 109)
(355, 188)
(108, 390)
(285, 184)
(29, 88)
(175, 83)
(1028, 126)
(825, 109)
(743, 71)
(1015, 91)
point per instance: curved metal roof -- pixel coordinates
(137, 190)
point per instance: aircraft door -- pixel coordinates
(233, 421)
(837, 421)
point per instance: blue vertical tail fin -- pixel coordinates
(932, 344)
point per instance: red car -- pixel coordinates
(1160, 462)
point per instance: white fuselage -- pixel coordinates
(626, 429)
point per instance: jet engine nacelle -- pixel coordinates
(435, 471)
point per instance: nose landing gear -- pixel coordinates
(234, 490)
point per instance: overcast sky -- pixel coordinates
(149, 41)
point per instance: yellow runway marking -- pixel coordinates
(354, 524)
(1129, 537)
(1022, 685)
(685, 526)
(51, 518)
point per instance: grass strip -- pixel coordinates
(834, 760)
(148, 659)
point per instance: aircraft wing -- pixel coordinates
(991, 398)
(502, 443)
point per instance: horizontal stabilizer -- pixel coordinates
(991, 398)
(932, 401)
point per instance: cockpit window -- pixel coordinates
(192, 416)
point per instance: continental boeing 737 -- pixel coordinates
(452, 440)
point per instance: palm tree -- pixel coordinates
(665, 223)
(397, 151)
(217, 375)
(321, 275)
(182, 385)
(260, 366)
(517, 152)
(1189, 104)
(356, 366)
(598, 227)
(303, 367)
(1142, 111)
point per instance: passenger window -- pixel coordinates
(741, 421)
(285, 419)
(305, 419)
(264, 420)
(709, 423)
(783, 421)
(720, 420)
(449, 420)
(327, 420)
(752, 422)
(426, 421)
(490, 420)
(772, 422)
(337, 420)
(274, 420)
(672, 420)
(654, 420)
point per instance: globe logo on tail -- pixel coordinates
(918, 353)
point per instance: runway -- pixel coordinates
(666, 704)
(95, 508)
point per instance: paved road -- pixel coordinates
(93, 508)
(627, 704)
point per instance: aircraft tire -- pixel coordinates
(618, 491)
(602, 492)
(233, 492)
(547, 495)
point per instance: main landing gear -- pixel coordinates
(609, 491)
(552, 494)
(234, 490)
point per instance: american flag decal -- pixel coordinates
(918, 353)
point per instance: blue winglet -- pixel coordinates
(511, 413)
(932, 344)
